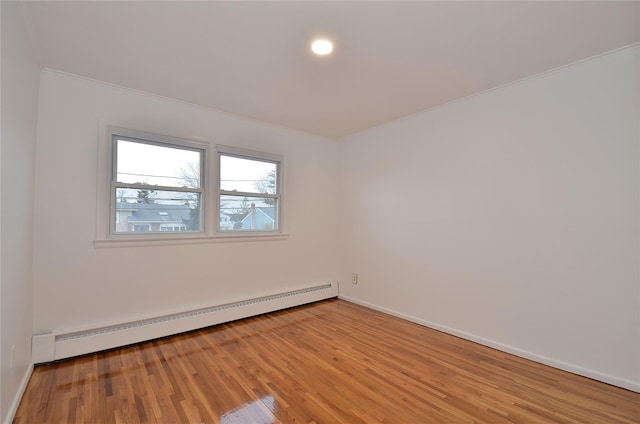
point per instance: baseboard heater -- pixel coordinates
(54, 346)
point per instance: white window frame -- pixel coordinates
(105, 208)
(114, 134)
(278, 160)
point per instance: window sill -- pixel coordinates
(167, 241)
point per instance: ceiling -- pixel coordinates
(390, 59)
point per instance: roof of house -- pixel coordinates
(270, 211)
(153, 212)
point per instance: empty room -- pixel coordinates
(320, 212)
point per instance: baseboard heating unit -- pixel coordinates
(53, 346)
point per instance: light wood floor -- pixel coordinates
(329, 362)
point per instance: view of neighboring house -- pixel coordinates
(135, 217)
(259, 218)
(227, 220)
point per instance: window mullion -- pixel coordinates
(138, 186)
(248, 194)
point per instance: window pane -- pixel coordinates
(239, 213)
(157, 165)
(156, 210)
(247, 175)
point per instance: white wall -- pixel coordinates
(510, 218)
(79, 285)
(20, 76)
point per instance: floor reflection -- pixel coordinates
(259, 412)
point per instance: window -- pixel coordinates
(159, 190)
(157, 184)
(249, 191)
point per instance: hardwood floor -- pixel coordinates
(329, 362)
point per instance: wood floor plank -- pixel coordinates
(328, 362)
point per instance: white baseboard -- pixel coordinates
(18, 396)
(66, 344)
(595, 375)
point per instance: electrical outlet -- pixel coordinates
(354, 278)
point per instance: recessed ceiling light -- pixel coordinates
(322, 47)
